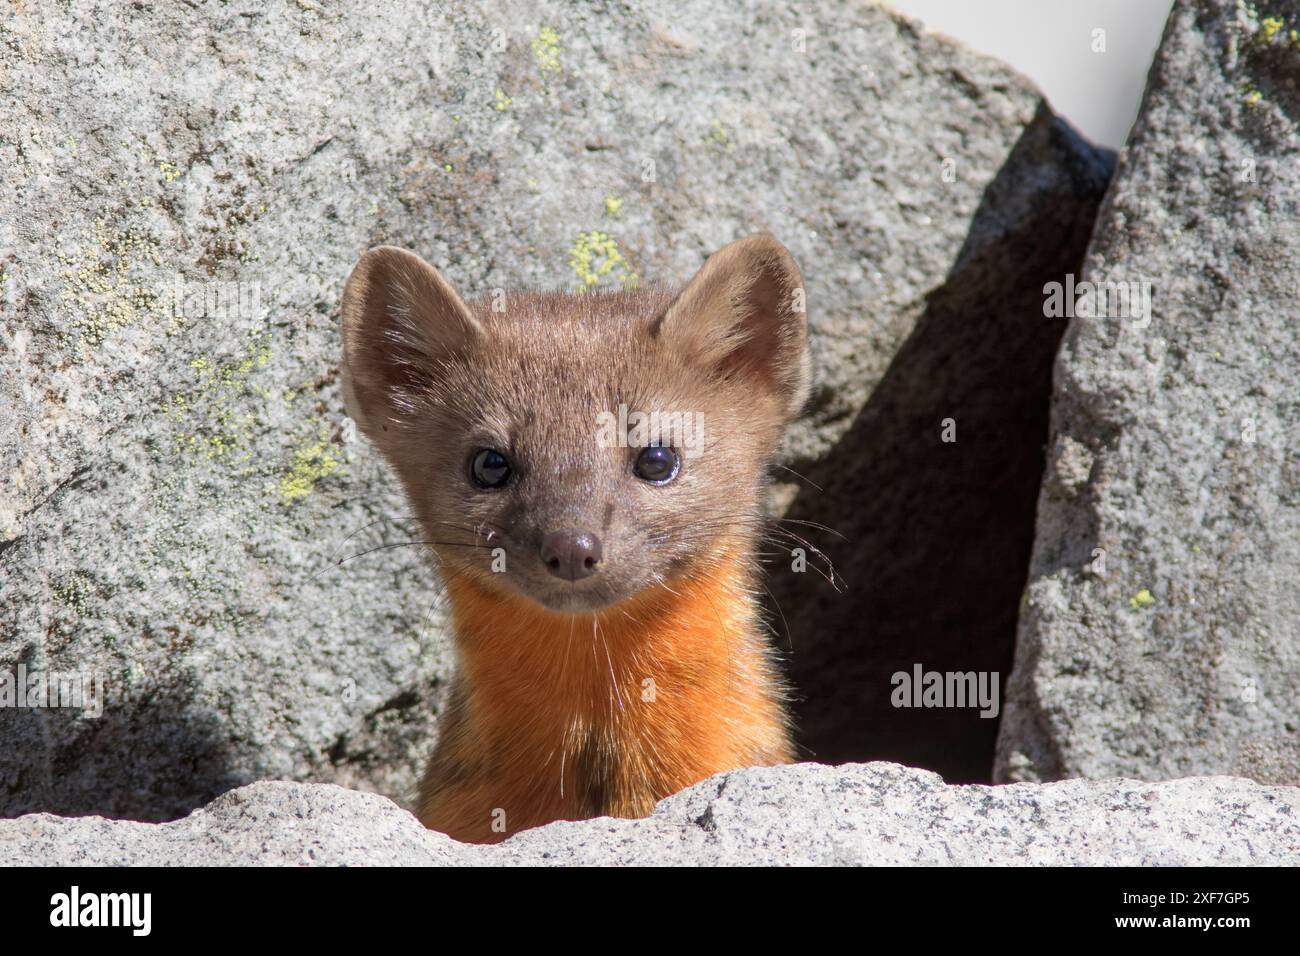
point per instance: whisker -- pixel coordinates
(404, 544)
(618, 695)
(801, 477)
(785, 624)
(367, 525)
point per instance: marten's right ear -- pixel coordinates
(400, 318)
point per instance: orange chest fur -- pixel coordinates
(610, 712)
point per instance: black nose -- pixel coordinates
(571, 554)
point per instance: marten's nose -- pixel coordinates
(571, 554)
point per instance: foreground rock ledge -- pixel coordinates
(876, 813)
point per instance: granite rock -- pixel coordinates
(188, 520)
(1161, 630)
(808, 814)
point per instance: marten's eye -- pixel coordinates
(490, 468)
(656, 464)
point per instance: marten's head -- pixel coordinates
(579, 449)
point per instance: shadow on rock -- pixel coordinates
(937, 535)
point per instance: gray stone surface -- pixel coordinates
(809, 814)
(177, 483)
(1161, 635)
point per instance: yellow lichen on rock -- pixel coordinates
(595, 255)
(311, 462)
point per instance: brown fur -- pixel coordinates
(603, 695)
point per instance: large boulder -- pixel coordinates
(186, 515)
(1161, 633)
(858, 814)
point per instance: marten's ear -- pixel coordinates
(744, 314)
(400, 317)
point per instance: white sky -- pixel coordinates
(1051, 41)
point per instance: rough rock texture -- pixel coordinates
(178, 480)
(810, 814)
(1161, 636)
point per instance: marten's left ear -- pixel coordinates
(744, 314)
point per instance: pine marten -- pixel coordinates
(601, 574)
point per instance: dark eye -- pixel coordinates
(656, 464)
(490, 468)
